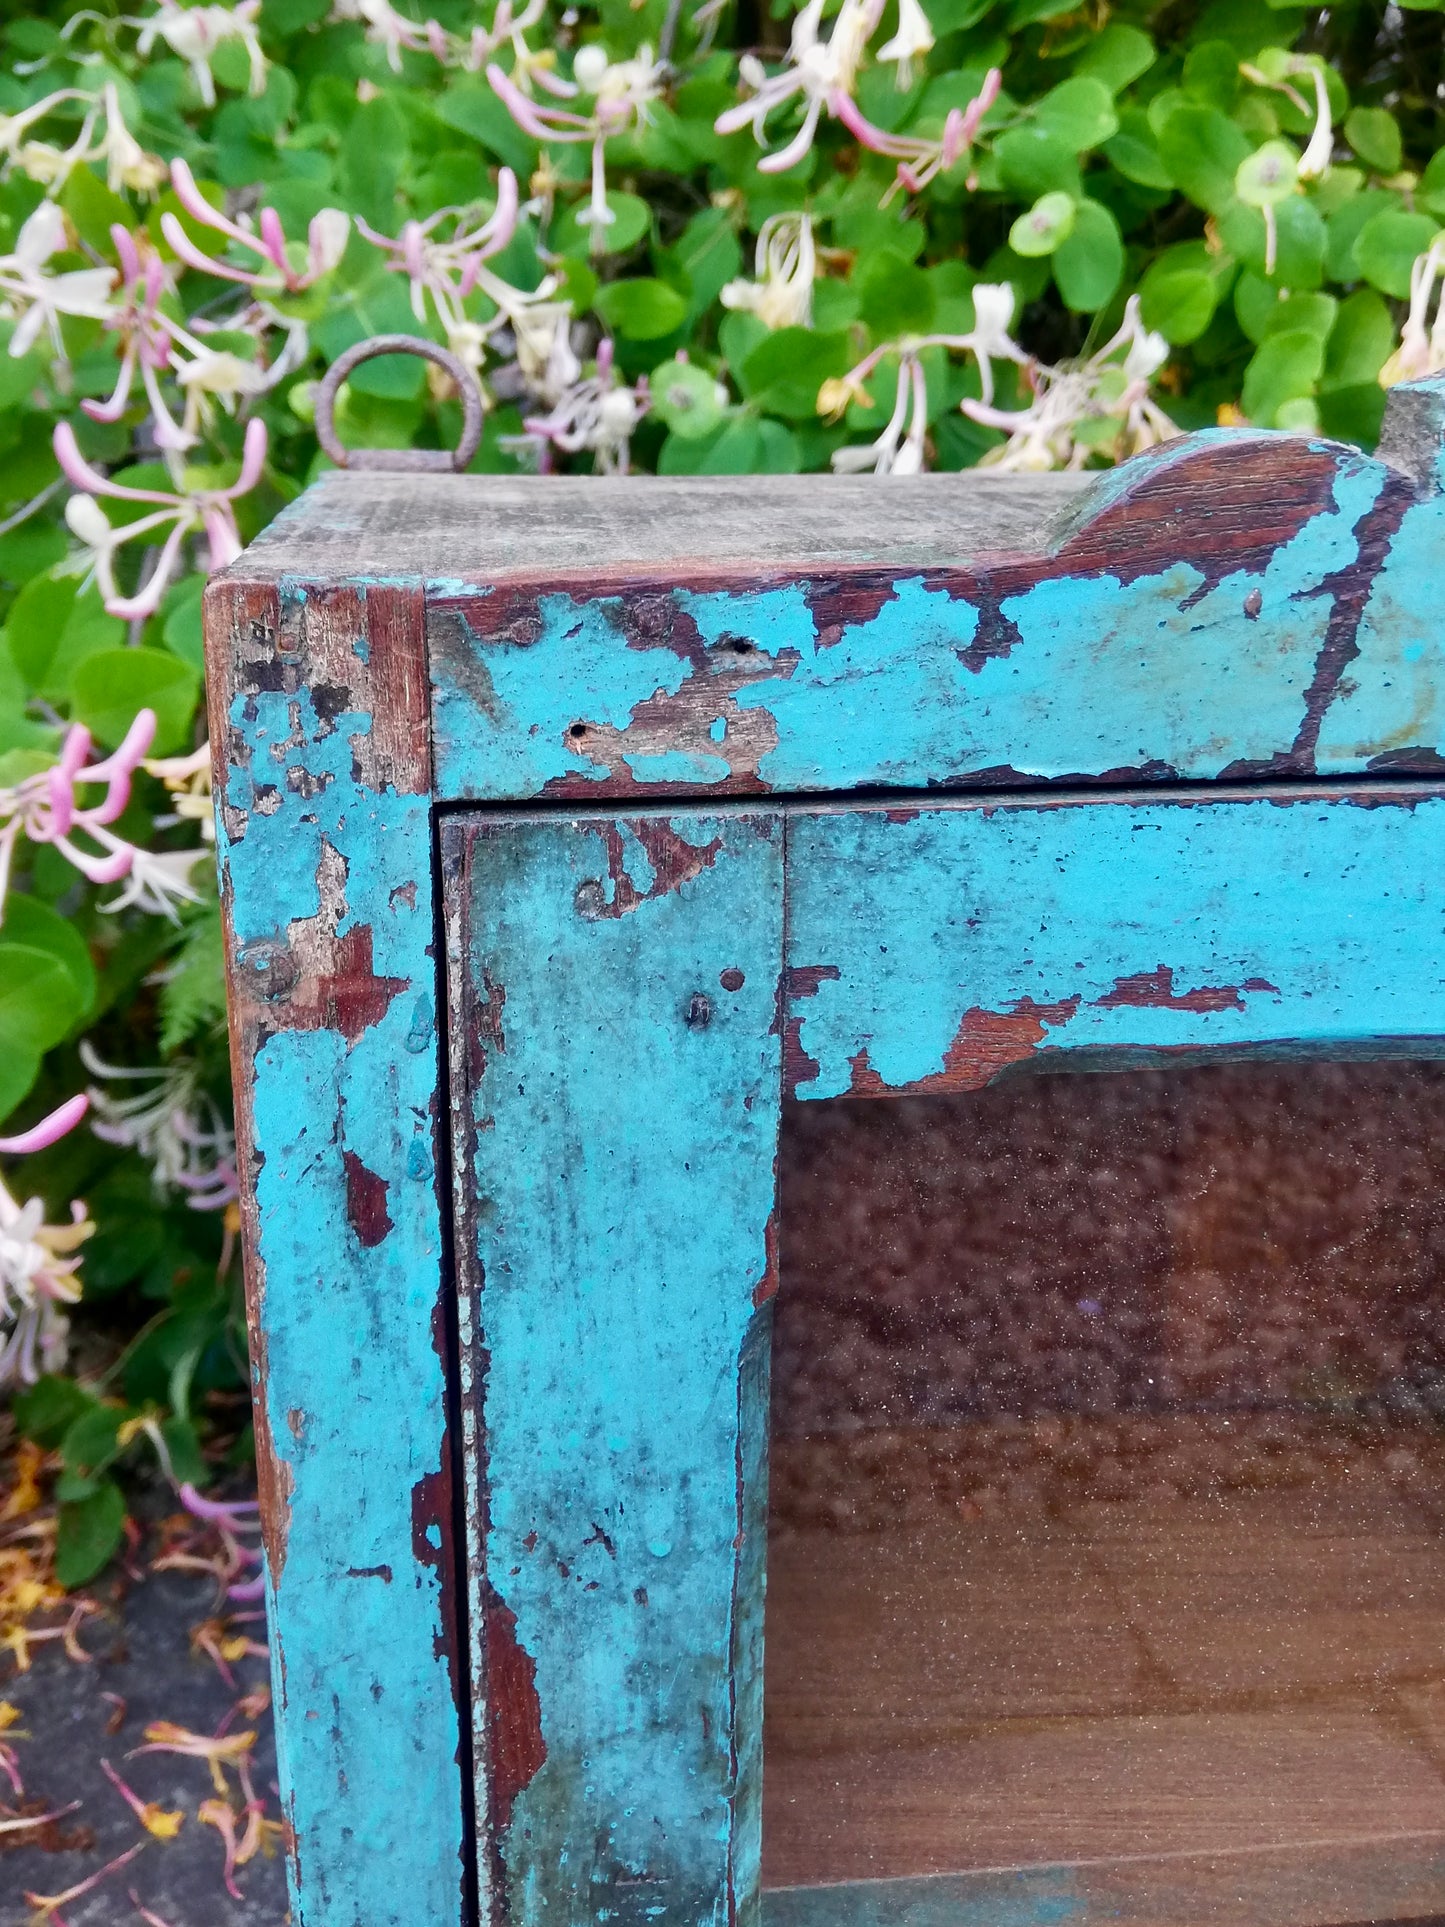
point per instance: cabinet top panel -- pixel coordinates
(479, 529)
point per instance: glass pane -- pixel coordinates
(1106, 1572)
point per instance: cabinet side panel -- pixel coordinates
(324, 833)
(618, 1072)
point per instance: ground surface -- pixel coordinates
(72, 1716)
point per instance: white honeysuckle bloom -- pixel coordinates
(194, 33)
(386, 28)
(188, 778)
(546, 359)
(34, 299)
(156, 883)
(911, 42)
(786, 266)
(894, 452)
(818, 71)
(226, 377)
(171, 1123)
(1422, 349)
(597, 414)
(127, 163)
(37, 1277)
(1317, 157)
(1109, 386)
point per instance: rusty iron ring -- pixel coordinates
(454, 459)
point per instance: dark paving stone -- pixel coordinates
(143, 1654)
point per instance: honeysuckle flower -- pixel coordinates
(919, 159)
(37, 1271)
(186, 514)
(171, 1122)
(894, 452)
(1422, 349)
(188, 779)
(157, 1821)
(446, 271)
(282, 267)
(1106, 391)
(546, 360)
(823, 73)
(127, 163)
(1318, 155)
(147, 337)
(913, 39)
(15, 128)
(622, 92)
(786, 265)
(597, 414)
(387, 28)
(194, 33)
(164, 1736)
(36, 299)
(44, 808)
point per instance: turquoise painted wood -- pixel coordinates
(617, 1277)
(325, 852)
(934, 949)
(564, 827)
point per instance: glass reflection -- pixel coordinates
(1106, 1578)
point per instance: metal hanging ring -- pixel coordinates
(412, 459)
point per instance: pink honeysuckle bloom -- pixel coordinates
(37, 1274)
(201, 510)
(919, 159)
(49, 1130)
(598, 414)
(171, 1123)
(44, 808)
(280, 269)
(147, 339)
(622, 92)
(822, 73)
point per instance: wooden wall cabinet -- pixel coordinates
(568, 830)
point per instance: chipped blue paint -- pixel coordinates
(619, 1256)
(1171, 669)
(1309, 920)
(353, 1389)
(1394, 698)
(517, 729)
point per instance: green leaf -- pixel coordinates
(46, 1410)
(1048, 222)
(88, 1535)
(1178, 302)
(109, 688)
(31, 922)
(1285, 368)
(90, 1442)
(709, 253)
(1089, 265)
(1299, 240)
(1079, 113)
(39, 1000)
(1360, 342)
(785, 371)
(685, 397)
(1135, 151)
(471, 107)
(1116, 55)
(1315, 313)
(1267, 176)
(1034, 162)
(1374, 134)
(1387, 246)
(1431, 191)
(1353, 414)
(633, 218)
(736, 448)
(1211, 74)
(53, 627)
(181, 627)
(94, 210)
(1344, 227)
(373, 154)
(1202, 151)
(641, 310)
(895, 297)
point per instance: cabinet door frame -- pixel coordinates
(615, 996)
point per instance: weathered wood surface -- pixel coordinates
(930, 949)
(616, 1072)
(324, 822)
(1235, 604)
